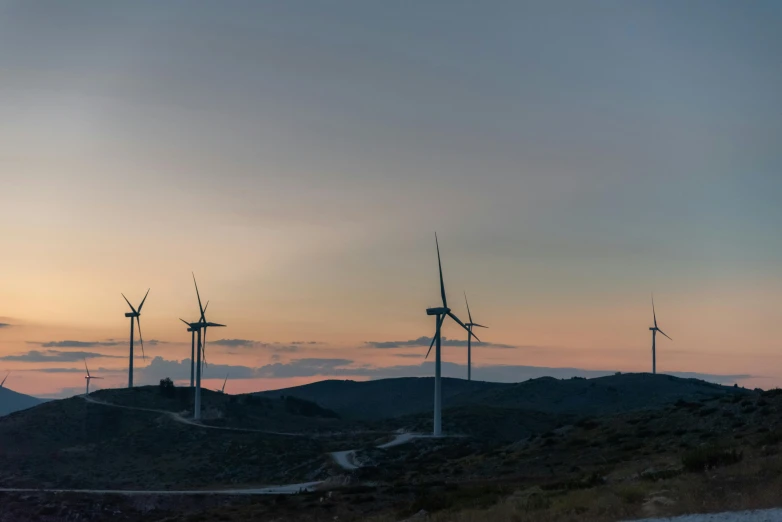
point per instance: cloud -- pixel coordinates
(285, 349)
(305, 342)
(160, 368)
(304, 368)
(425, 341)
(54, 356)
(233, 343)
(76, 344)
(5, 325)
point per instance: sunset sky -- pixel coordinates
(298, 156)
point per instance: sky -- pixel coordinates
(574, 157)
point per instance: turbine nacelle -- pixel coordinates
(440, 310)
(132, 314)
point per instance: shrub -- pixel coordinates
(631, 494)
(770, 438)
(167, 387)
(707, 457)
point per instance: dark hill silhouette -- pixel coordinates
(111, 444)
(383, 398)
(386, 398)
(11, 401)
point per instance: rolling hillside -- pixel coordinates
(11, 401)
(387, 398)
(383, 398)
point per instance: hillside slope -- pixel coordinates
(75, 443)
(599, 396)
(388, 398)
(383, 398)
(11, 401)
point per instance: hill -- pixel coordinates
(382, 398)
(389, 398)
(106, 443)
(11, 401)
(599, 396)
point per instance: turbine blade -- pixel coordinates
(142, 301)
(452, 316)
(440, 266)
(4, 379)
(88, 370)
(130, 305)
(200, 306)
(207, 306)
(666, 335)
(430, 346)
(469, 315)
(214, 324)
(225, 381)
(188, 324)
(653, 312)
(434, 337)
(143, 356)
(479, 325)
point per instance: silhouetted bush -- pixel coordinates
(167, 387)
(707, 457)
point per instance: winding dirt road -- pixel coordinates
(345, 459)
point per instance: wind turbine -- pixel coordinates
(440, 313)
(192, 327)
(201, 324)
(654, 330)
(89, 377)
(135, 314)
(470, 326)
(2, 384)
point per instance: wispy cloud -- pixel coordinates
(425, 341)
(160, 368)
(55, 356)
(233, 343)
(5, 325)
(76, 344)
(282, 348)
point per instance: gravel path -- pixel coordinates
(287, 489)
(764, 515)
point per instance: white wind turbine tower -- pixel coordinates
(89, 377)
(470, 326)
(440, 313)
(134, 314)
(654, 330)
(201, 350)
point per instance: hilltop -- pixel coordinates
(102, 442)
(11, 401)
(388, 398)
(379, 399)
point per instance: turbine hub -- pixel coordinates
(442, 310)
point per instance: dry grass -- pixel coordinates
(754, 483)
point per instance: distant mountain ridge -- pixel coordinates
(11, 401)
(386, 398)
